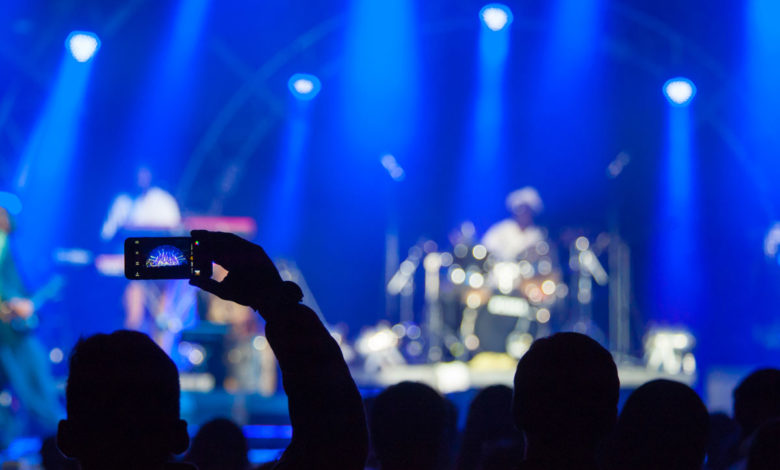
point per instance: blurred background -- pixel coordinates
(349, 136)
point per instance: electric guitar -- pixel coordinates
(23, 324)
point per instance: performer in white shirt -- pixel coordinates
(154, 209)
(159, 308)
(508, 239)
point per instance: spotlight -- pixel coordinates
(496, 16)
(304, 86)
(393, 168)
(82, 45)
(670, 350)
(679, 91)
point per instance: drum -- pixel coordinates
(502, 305)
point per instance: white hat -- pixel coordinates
(527, 196)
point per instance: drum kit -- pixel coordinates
(477, 302)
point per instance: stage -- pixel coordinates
(447, 182)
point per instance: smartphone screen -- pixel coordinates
(164, 258)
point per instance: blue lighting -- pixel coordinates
(268, 431)
(304, 86)
(46, 176)
(486, 139)
(496, 16)
(82, 45)
(10, 202)
(679, 91)
(761, 100)
(263, 455)
(280, 231)
(381, 73)
(676, 280)
(161, 117)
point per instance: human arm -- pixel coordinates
(325, 407)
(14, 301)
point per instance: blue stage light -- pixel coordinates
(679, 91)
(82, 45)
(304, 86)
(496, 16)
(10, 202)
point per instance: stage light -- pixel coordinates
(476, 280)
(508, 306)
(82, 45)
(479, 251)
(56, 355)
(679, 91)
(473, 300)
(304, 86)
(669, 350)
(542, 315)
(496, 16)
(452, 377)
(458, 276)
(375, 340)
(393, 168)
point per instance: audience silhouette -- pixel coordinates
(490, 438)
(123, 403)
(52, 458)
(122, 400)
(565, 401)
(663, 425)
(411, 428)
(219, 445)
(756, 401)
(723, 440)
(765, 451)
(123, 391)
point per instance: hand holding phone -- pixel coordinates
(250, 270)
(165, 258)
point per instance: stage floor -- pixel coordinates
(449, 377)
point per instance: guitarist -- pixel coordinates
(24, 367)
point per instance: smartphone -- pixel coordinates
(165, 258)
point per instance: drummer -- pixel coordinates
(508, 239)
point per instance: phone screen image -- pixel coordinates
(163, 258)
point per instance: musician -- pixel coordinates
(511, 237)
(159, 308)
(153, 208)
(24, 365)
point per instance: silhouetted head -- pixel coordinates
(765, 451)
(723, 441)
(757, 400)
(122, 403)
(566, 395)
(663, 425)
(52, 458)
(490, 431)
(410, 426)
(219, 445)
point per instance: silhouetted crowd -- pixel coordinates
(122, 402)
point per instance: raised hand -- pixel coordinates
(250, 271)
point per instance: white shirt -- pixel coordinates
(156, 208)
(507, 240)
